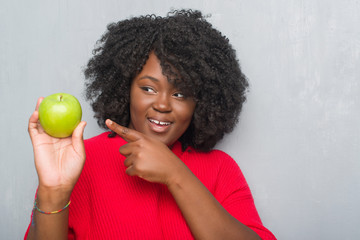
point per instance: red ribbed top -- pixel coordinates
(106, 203)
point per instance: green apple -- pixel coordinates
(59, 114)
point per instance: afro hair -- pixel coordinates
(194, 56)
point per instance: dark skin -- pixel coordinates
(158, 119)
(58, 163)
(205, 216)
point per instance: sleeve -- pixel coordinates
(31, 220)
(233, 193)
(27, 230)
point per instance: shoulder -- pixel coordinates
(213, 164)
(212, 157)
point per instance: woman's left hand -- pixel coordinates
(153, 161)
(146, 157)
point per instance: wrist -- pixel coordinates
(178, 179)
(50, 199)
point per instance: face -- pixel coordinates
(157, 109)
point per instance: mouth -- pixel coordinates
(159, 126)
(161, 123)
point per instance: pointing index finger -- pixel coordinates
(126, 133)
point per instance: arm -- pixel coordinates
(58, 164)
(54, 226)
(153, 161)
(205, 216)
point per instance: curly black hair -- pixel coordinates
(194, 56)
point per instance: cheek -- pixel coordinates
(137, 102)
(136, 111)
(186, 112)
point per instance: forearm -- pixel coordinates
(204, 215)
(50, 226)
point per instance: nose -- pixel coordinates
(162, 103)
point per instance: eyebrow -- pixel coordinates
(149, 77)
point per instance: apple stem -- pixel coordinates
(61, 96)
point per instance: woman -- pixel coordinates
(172, 88)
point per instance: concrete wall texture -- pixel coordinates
(298, 141)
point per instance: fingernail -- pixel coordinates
(110, 122)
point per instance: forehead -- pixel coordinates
(151, 70)
(159, 69)
(152, 65)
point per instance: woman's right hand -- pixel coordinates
(58, 162)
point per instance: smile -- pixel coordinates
(159, 122)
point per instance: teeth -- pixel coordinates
(159, 122)
(164, 123)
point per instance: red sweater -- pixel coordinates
(108, 204)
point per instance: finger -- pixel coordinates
(126, 150)
(78, 136)
(130, 171)
(38, 103)
(79, 131)
(33, 123)
(127, 134)
(127, 162)
(34, 118)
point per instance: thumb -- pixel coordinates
(77, 137)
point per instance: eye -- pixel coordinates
(148, 89)
(179, 95)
